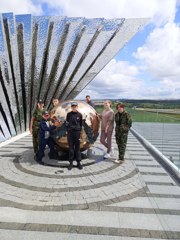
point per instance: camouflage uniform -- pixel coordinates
(35, 128)
(123, 123)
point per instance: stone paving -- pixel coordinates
(135, 200)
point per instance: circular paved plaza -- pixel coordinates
(134, 200)
(28, 185)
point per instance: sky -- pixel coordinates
(148, 67)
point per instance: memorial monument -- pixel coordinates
(47, 56)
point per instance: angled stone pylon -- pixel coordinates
(47, 56)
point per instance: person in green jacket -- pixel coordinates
(123, 123)
(35, 125)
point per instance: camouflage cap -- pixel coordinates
(40, 101)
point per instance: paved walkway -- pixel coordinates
(164, 137)
(136, 200)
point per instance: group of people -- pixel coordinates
(41, 129)
(123, 122)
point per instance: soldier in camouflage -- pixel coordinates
(123, 123)
(35, 124)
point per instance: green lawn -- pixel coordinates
(143, 116)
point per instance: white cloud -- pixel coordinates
(117, 80)
(160, 58)
(160, 54)
(164, 91)
(20, 7)
(155, 9)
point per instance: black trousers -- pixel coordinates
(73, 138)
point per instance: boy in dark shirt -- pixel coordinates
(74, 126)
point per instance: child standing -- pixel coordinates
(45, 138)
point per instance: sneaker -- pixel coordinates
(40, 162)
(70, 166)
(107, 155)
(118, 161)
(36, 156)
(79, 166)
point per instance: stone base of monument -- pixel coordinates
(89, 157)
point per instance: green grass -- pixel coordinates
(144, 116)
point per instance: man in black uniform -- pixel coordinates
(74, 126)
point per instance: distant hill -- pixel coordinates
(166, 104)
(145, 103)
